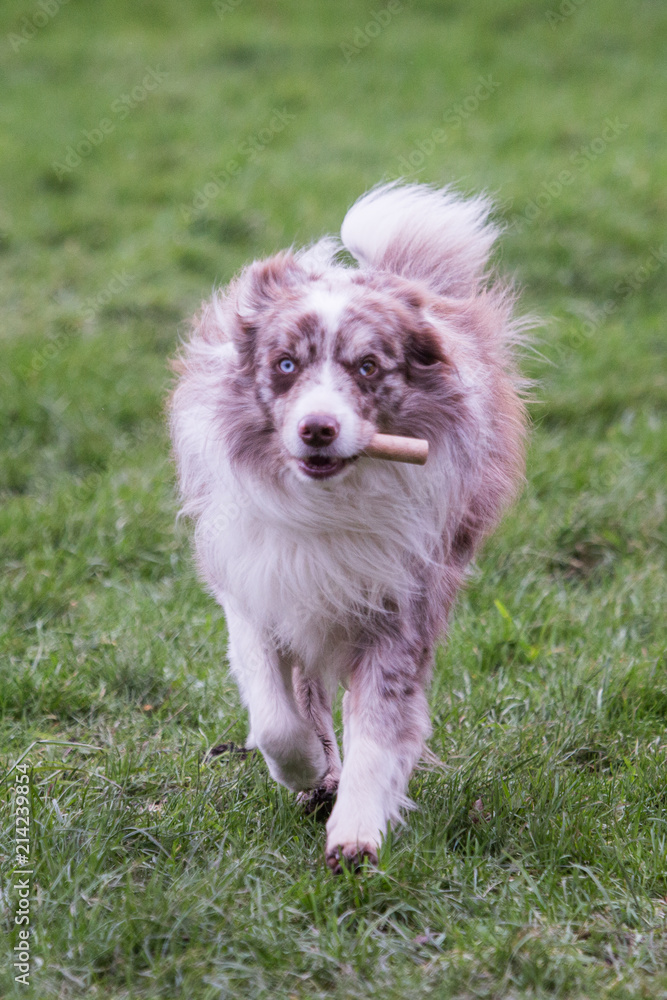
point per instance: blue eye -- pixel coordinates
(287, 366)
(367, 367)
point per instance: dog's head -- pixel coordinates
(324, 361)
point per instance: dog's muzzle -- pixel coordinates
(319, 431)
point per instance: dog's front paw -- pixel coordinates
(351, 856)
(352, 836)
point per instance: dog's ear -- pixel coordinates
(260, 286)
(264, 282)
(423, 348)
(423, 345)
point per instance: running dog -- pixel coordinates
(334, 567)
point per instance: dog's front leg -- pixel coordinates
(386, 720)
(288, 742)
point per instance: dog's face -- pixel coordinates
(332, 361)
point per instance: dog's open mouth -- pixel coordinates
(323, 466)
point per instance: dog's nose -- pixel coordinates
(318, 429)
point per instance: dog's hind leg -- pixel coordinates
(289, 743)
(314, 703)
(386, 719)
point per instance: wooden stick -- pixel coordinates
(398, 449)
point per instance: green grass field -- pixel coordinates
(148, 150)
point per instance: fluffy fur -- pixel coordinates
(334, 568)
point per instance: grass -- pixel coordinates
(536, 862)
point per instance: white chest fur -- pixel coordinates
(306, 560)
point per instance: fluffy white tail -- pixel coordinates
(422, 232)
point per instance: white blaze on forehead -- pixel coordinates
(329, 304)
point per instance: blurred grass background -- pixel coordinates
(146, 152)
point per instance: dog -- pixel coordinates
(333, 567)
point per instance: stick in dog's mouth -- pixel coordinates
(397, 449)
